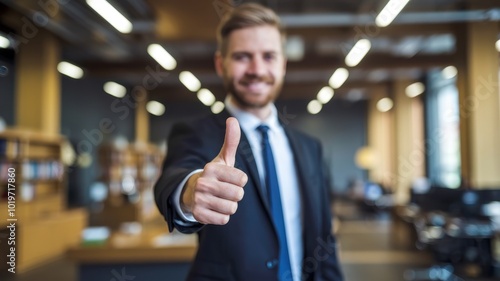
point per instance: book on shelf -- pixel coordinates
(9, 148)
(42, 170)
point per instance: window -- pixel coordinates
(443, 131)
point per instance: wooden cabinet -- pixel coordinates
(31, 163)
(129, 174)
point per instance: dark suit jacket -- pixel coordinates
(246, 249)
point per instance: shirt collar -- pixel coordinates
(250, 122)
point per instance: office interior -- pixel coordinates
(404, 96)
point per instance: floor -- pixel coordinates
(375, 247)
(372, 247)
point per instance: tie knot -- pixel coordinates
(263, 129)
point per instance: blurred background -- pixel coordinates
(404, 96)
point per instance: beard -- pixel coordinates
(243, 98)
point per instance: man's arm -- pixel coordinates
(164, 196)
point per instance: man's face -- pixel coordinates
(253, 68)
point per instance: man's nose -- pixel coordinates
(257, 67)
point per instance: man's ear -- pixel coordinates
(219, 63)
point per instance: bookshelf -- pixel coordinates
(130, 174)
(45, 228)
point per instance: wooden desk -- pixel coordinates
(152, 255)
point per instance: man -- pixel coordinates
(256, 196)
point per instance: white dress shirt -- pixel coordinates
(285, 169)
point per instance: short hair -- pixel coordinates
(243, 16)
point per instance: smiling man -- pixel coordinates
(257, 194)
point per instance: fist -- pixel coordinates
(212, 196)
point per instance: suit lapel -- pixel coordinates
(308, 187)
(249, 161)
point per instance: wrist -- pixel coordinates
(187, 195)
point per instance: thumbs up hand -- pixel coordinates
(213, 195)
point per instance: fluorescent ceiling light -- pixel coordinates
(314, 107)
(358, 52)
(162, 56)
(70, 70)
(385, 105)
(115, 89)
(497, 45)
(111, 15)
(217, 107)
(206, 97)
(449, 72)
(325, 94)
(338, 78)
(190, 81)
(155, 108)
(4, 42)
(390, 12)
(414, 89)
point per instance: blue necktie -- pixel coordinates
(284, 267)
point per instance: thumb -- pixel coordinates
(228, 151)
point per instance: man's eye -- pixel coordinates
(240, 57)
(269, 57)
